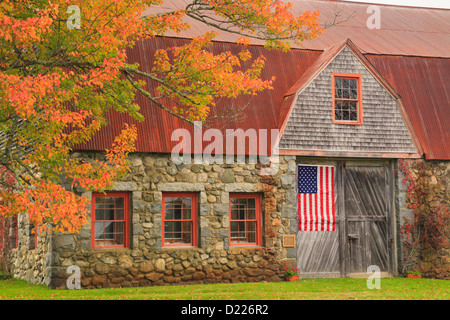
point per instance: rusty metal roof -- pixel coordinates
(261, 111)
(424, 87)
(413, 58)
(403, 30)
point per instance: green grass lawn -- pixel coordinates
(307, 289)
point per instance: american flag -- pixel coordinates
(316, 198)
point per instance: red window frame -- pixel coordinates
(125, 220)
(169, 242)
(256, 220)
(358, 101)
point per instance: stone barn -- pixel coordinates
(344, 109)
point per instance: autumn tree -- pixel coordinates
(63, 67)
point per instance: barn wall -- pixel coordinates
(214, 260)
(434, 180)
(310, 126)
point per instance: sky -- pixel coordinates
(414, 3)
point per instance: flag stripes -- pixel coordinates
(316, 198)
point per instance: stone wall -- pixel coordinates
(28, 261)
(434, 180)
(214, 260)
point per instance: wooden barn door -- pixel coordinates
(367, 204)
(364, 225)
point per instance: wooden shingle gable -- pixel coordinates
(307, 127)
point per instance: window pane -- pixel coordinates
(186, 238)
(251, 237)
(108, 214)
(99, 203)
(346, 115)
(119, 202)
(251, 215)
(176, 226)
(241, 212)
(99, 230)
(354, 94)
(234, 226)
(99, 214)
(109, 202)
(169, 211)
(337, 114)
(186, 213)
(120, 215)
(108, 230)
(338, 83)
(345, 84)
(345, 93)
(119, 239)
(186, 202)
(353, 110)
(177, 212)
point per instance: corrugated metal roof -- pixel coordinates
(424, 87)
(423, 83)
(404, 30)
(261, 111)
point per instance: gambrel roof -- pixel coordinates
(413, 59)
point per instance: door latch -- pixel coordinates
(353, 237)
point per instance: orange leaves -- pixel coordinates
(24, 93)
(24, 32)
(269, 20)
(122, 146)
(194, 76)
(47, 205)
(57, 84)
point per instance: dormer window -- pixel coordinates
(347, 98)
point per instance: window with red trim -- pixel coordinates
(245, 219)
(110, 220)
(347, 98)
(179, 219)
